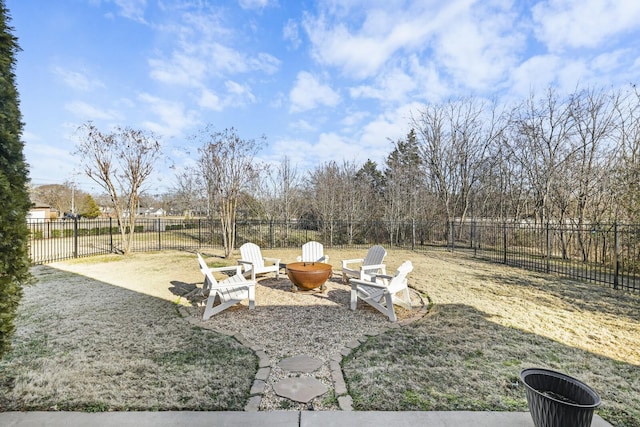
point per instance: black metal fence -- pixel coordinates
(605, 253)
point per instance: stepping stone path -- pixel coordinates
(300, 389)
(302, 374)
(300, 364)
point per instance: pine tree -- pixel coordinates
(14, 197)
(90, 208)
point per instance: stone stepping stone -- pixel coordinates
(300, 364)
(300, 389)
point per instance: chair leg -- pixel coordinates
(404, 300)
(252, 297)
(354, 299)
(389, 302)
(208, 309)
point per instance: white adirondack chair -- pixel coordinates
(230, 291)
(313, 252)
(363, 268)
(381, 292)
(253, 262)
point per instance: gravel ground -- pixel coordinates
(284, 323)
(287, 324)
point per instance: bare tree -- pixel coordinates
(59, 196)
(229, 168)
(628, 159)
(404, 184)
(594, 116)
(323, 193)
(190, 193)
(350, 198)
(541, 131)
(119, 162)
(454, 142)
(278, 191)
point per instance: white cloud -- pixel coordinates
(291, 33)
(173, 117)
(132, 9)
(354, 118)
(389, 125)
(609, 62)
(362, 48)
(180, 69)
(238, 94)
(393, 85)
(562, 24)
(534, 74)
(254, 4)
(540, 72)
(264, 62)
(474, 43)
(302, 125)
(479, 46)
(210, 100)
(85, 111)
(77, 80)
(199, 47)
(308, 93)
(307, 155)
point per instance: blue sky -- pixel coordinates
(322, 80)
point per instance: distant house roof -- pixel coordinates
(40, 205)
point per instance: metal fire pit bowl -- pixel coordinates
(308, 275)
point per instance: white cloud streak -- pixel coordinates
(309, 93)
(77, 80)
(568, 24)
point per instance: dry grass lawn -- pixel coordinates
(104, 334)
(488, 323)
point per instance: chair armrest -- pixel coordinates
(382, 276)
(226, 268)
(382, 267)
(276, 261)
(244, 283)
(355, 282)
(299, 259)
(249, 263)
(351, 261)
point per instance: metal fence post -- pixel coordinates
(548, 237)
(75, 237)
(504, 242)
(159, 238)
(110, 234)
(616, 255)
(413, 234)
(451, 236)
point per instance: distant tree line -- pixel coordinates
(548, 158)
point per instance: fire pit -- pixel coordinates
(308, 275)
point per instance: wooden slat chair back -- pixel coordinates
(254, 263)
(363, 268)
(313, 252)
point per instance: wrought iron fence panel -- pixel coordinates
(603, 253)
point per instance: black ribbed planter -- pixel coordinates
(558, 400)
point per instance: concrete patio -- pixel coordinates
(273, 419)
